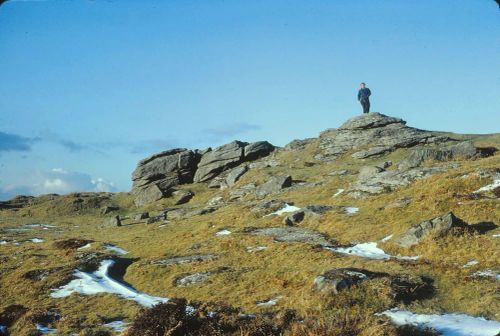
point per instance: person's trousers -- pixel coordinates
(366, 105)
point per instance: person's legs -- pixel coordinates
(366, 105)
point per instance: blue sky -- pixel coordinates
(90, 87)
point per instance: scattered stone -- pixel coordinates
(182, 213)
(216, 201)
(158, 218)
(316, 209)
(293, 234)
(141, 216)
(184, 259)
(242, 191)
(439, 227)
(182, 196)
(340, 172)
(398, 203)
(114, 221)
(295, 218)
(338, 279)
(273, 185)
(108, 209)
(71, 244)
(269, 207)
(41, 274)
(192, 279)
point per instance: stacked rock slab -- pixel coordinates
(373, 134)
(156, 175)
(228, 156)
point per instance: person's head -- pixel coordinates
(362, 85)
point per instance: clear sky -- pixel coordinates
(87, 88)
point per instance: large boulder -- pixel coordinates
(373, 134)
(439, 227)
(293, 234)
(155, 176)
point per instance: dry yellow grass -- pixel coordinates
(284, 270)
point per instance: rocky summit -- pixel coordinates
(330, 235)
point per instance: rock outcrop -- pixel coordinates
(439, 227)
(156, 175)
(373, 134)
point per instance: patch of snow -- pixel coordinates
(389, 237)
(471, 263)
(490, 187)
(85, 246)
(45, 226)
(487, 274)
(446, 324)
(18, 229)
(3, 329)
(223, 233)
(256, 248)
(114, 248)
(496, 235)
(45, 330)
(36, 240)
(351, 210)
(100, 282)
(287, 208)
(368, 250)
(118, 326)
(268, 302)
(339, 191)
(3, 242)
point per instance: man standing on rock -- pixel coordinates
(364, 94)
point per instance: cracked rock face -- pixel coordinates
(156, 175)
(380, 133)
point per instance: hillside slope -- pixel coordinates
(368, 217)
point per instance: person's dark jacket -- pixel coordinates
(364, 93)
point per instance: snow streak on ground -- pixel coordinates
(487, 274)
(114, 248)
(490, 187)
(118, 326)
(446, 324)
(223, 233)
(45, 330)
(100, 282)
(287, 208)
(351, 210)
(339, 191)
(368, 250)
